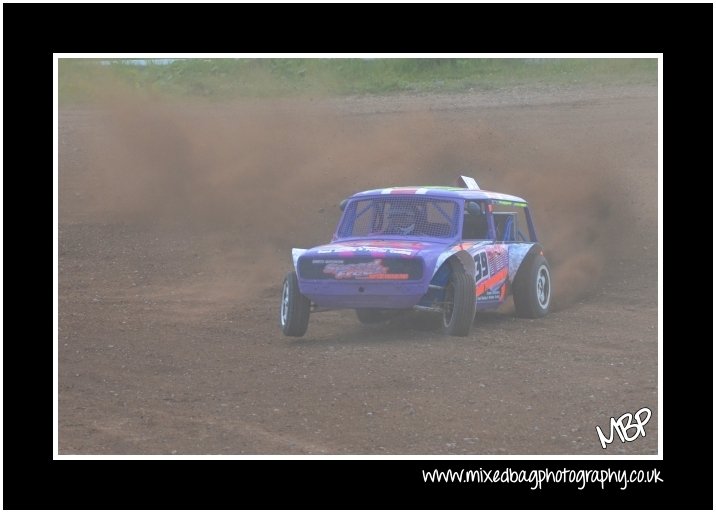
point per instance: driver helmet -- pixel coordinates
(402, 218)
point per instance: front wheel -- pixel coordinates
(459, 302)
(295, 308)
(532, 289)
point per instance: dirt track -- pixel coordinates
(176, 224)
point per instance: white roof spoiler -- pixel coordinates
(468, 183)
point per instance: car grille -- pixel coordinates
(361, 268)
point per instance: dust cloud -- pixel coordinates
(255, 178)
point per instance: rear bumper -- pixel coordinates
(362, 293)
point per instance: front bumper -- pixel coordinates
(363, 293)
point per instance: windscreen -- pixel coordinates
(398, 216)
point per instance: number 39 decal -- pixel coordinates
(481, 269)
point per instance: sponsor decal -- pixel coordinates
(374, 270)
(389, 244)
(367, 249)
(493, 295)
(490, 283)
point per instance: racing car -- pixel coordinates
(452, 250)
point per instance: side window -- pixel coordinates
(521, 233)
(505, 226)
(475, 225)
(510, 222)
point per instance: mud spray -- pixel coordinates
(259, 177)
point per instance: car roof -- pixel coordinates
(445, 192)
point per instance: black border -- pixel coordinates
(31, 33)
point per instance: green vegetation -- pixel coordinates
(219, 79)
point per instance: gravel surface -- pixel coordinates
(175, 229)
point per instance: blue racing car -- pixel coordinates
(452, 250)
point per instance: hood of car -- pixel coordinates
(377, 248)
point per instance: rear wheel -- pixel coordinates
(459, 302)
(532, 289)
(295, 308)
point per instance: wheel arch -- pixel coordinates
(467, 261)
(461, 256)
(461, 299)
(529, 287)
(517, 258)
(295, 254)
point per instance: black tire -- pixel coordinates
(370, 315)
(295, 308)
(532, 288)
(459, 302)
